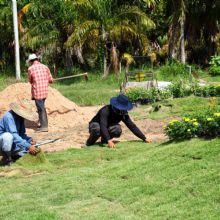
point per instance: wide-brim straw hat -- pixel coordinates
(26, 109)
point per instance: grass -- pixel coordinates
(135, 181)
(171, 108)
(96, 91)
(207, 77)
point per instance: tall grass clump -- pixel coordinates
(173, 71)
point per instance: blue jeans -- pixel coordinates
(6, 141)
(40, 103)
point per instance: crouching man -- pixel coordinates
(14, 142)
(105, 123)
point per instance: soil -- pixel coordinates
(69, 122)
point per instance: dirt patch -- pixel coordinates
(69, 121)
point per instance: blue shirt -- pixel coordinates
(14, 124)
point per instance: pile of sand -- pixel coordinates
(64, 116)
(62, 112)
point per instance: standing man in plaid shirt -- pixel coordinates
(39, 76)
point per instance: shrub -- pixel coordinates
(214, 69)
(205, 124)
(173, 70)
(176, 90)
(147, 96)
(184, 129)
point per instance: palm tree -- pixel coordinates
(195, 24)
(44, 28)
(7, 40)
(104, 24)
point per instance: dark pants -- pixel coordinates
(95, 132)
(40, 104)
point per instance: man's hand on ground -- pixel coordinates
(33, 150)
(148, 140)
(111, 144)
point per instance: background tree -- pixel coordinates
(95, 33)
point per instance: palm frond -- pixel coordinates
(80, 33)
(35, 36)
(82, 4)
(125, 30)
(23, 11)
(128, 11)
(150, 3)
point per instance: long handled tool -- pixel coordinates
(37, 145)
(73, 76)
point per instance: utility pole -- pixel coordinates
(17, 54)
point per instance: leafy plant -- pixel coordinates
(206, 124)
(173, 70)
(176, 90)
(215, 66)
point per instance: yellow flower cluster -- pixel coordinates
(190, 120)
(186, 119)
(217, 114)
(210, 119)
(173, 121)
(195, 123)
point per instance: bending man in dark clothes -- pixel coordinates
(106, 122)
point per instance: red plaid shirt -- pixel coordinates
(39, 76)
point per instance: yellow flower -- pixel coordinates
(210, 119)
(186, 119)
(196, 123)
(173, 121)
(164, 126)
(217, 114)
(194, 119)
(188, 130)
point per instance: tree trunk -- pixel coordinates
(114, 59)
(182, 38)
(172, 47)
(78, 52)
(105, 72)
(68, 59)
(174, 32)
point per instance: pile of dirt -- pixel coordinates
(68, 121)
(64, 116)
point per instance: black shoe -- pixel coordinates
(6, 159)
(15, 157)
(5, 162)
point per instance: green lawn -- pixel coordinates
(96, 91)
(171, 108)
(135, 181)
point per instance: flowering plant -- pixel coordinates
(200, 126)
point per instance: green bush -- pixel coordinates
(172, 70)
(176, 90)
(147, 95)
(206, 124)
(214, 69)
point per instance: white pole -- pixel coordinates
(17, 55)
